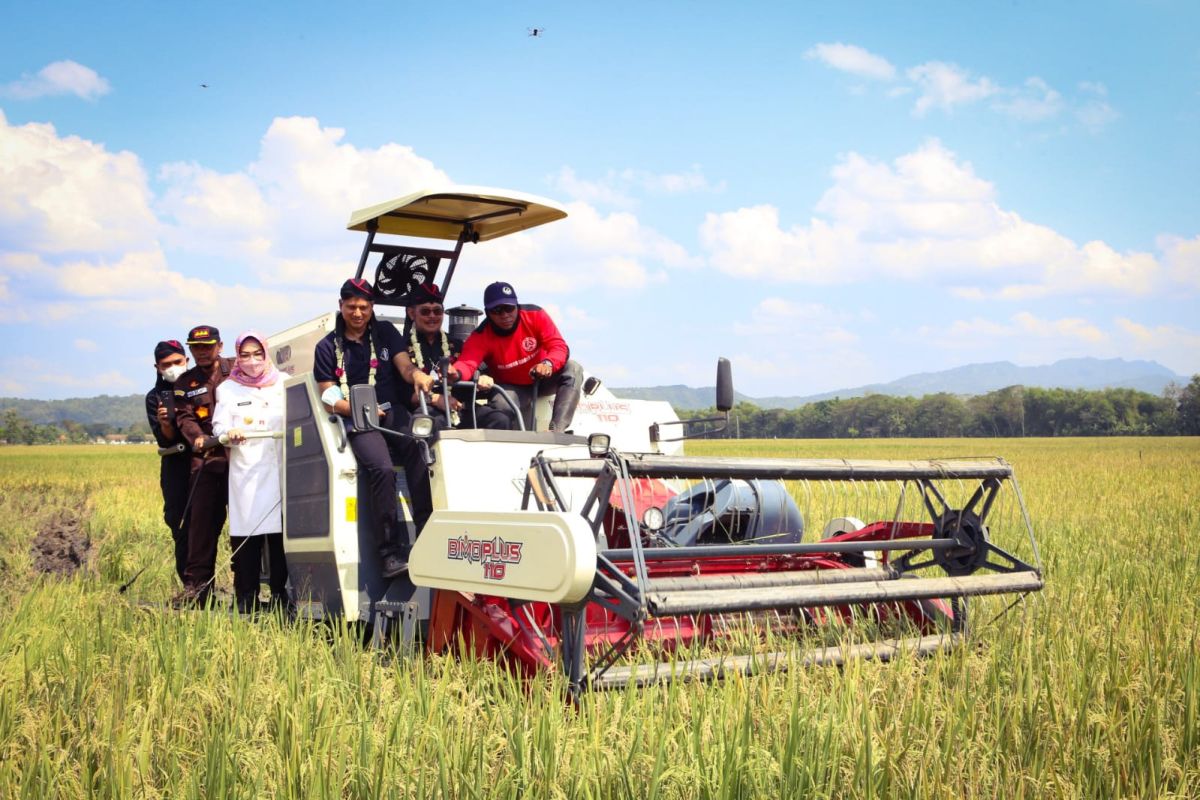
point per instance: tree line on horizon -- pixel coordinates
(1009, 412)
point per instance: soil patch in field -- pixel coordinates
(61, 547)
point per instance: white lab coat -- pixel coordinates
(255, 505)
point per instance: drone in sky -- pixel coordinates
(536, 31)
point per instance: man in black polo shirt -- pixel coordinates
(362, 349)
(426, 345)
(170, 362)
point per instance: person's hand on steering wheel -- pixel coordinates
(422, 381)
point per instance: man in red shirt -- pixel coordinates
(523, 350)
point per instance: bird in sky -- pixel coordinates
(204, 86)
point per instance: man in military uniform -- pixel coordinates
(170, 362)
(195, 401)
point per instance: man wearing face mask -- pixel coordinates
(195, 401)
(170, 363)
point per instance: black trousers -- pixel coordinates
(377, 454)
(247, 559)
(205, 520)
(174, 478)
(566, 385)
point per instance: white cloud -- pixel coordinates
(944, 86)
(85, 238)
(62, 194)
(1168, 344)
(58, 78)
(1036, 101)
(1182, 259)
(939, 85)
(813, 347)
(25, 375)
(926, 216)
(602, 192)
(853, 59)
(1066, 328)
(1024, 336)
(1094, 111)
(809, 325)
(285, 215)
(587, 249)
(619, 188)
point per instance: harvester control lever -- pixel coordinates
(247, 435)
(213, 442)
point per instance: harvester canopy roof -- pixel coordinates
(442, 213)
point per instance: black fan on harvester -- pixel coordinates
(399, 274)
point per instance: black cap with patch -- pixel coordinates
(168, 347)
(203, 334)
(357, 287)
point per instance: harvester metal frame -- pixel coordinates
(959, 545)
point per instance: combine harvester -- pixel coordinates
(609, 554)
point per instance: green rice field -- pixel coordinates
(1090, 689)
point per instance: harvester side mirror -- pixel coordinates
(724, 385)
(364, 407)
(720, 422)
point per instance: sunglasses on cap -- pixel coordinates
(504, 309)
(430, 311)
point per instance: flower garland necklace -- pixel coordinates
(417, 355)
(419, 358)
(340, 372)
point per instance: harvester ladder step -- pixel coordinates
(707, 669)
(715, 601)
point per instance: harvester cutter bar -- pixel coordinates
(710, 601)
(656, 466)
(710, 669)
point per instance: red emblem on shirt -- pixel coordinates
(529, 343)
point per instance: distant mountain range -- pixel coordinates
(1070, 373)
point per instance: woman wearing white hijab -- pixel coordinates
(250, 401)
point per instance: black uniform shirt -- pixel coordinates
(195, 401)
(163, 394)
(388, 342)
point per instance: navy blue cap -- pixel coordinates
(499, 294)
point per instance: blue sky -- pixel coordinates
(828, 194)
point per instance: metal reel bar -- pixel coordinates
(688, 467)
